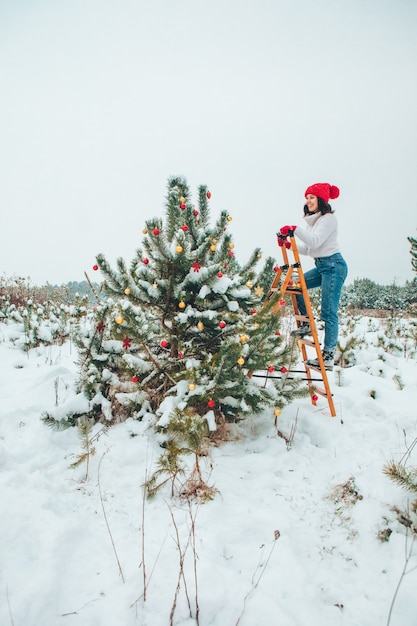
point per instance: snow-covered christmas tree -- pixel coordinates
(183, 328)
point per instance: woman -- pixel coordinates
(319, 240)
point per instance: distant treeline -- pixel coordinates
(363, 293)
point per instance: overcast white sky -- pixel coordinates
(102, 100)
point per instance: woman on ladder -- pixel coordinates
(319, 240)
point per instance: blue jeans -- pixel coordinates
(329, 274)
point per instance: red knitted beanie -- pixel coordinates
(324, 191)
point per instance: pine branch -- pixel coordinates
(407, 479)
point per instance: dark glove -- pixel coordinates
(283, 241)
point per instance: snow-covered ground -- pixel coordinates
(292, 537)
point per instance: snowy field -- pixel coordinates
(293, 537)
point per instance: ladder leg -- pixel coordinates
(287, 287)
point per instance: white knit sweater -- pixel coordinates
(319, 236)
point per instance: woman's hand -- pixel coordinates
(285, 230)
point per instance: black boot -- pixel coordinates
(328, 358)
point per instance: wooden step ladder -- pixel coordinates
(290, 280)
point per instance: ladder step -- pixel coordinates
(302, 318)
(307, 342)
(311, 367)
(321, 392)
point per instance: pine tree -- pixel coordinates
(185, 325)
(413, 252)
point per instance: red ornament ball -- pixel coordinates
(195, 212)
(219, 274)
(222, 324)
(156, 231)
(134, 379)
(276, 268)
(183, 206)
(208, 195)
(95, 268)
(211, 404)
(164, 343)
(278, 334)
(282, 302)
(253, 311)
(145, 261)
(271, 368)
(284, 370)
(314, 398)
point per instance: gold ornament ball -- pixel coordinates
(259, 256)
(214, 240)
(127, 291)
(249, 284)
(229, 218)
(145, 231)
(119, 320)
(213, 248)
(179, 249)
(277, 412)
(243, 339)
(200, 326)
(191, 386)
(300, 344)
(240, 360)
(181, 304)
(182, 199)
(231, 245)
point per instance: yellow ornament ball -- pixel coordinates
(191, 386)
(231, 245)
(200, 326)
(127, 291)
(229, 218)
(213, 247)
(240, 360)
(182, 199)
(249, 284)
(119, 320)
(181, 304)
(243, 339)
(277, 412)
(179, 249)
